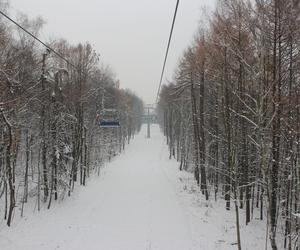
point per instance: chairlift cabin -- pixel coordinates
(108, 118)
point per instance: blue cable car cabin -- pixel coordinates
(108, 118)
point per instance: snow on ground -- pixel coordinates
(212, 227)
(140, 202)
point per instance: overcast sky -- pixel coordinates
(130, 35)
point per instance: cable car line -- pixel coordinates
(67, 61)
(41, 42)
(37, 39)
(167, 52)
(109, 120)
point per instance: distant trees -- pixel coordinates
(49, 136)
(236, 96)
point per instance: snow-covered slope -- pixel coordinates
(140, 202)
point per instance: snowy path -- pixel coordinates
(133, 206)
(140, 202)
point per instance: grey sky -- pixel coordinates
(131, 35)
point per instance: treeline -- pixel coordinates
(232, 112)
(49, 136)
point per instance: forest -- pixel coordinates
(50, 140)
(230, 117)
(231, 113)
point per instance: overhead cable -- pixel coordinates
(167, 51)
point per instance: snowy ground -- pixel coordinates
(140, 202)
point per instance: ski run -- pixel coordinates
(141, 201)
